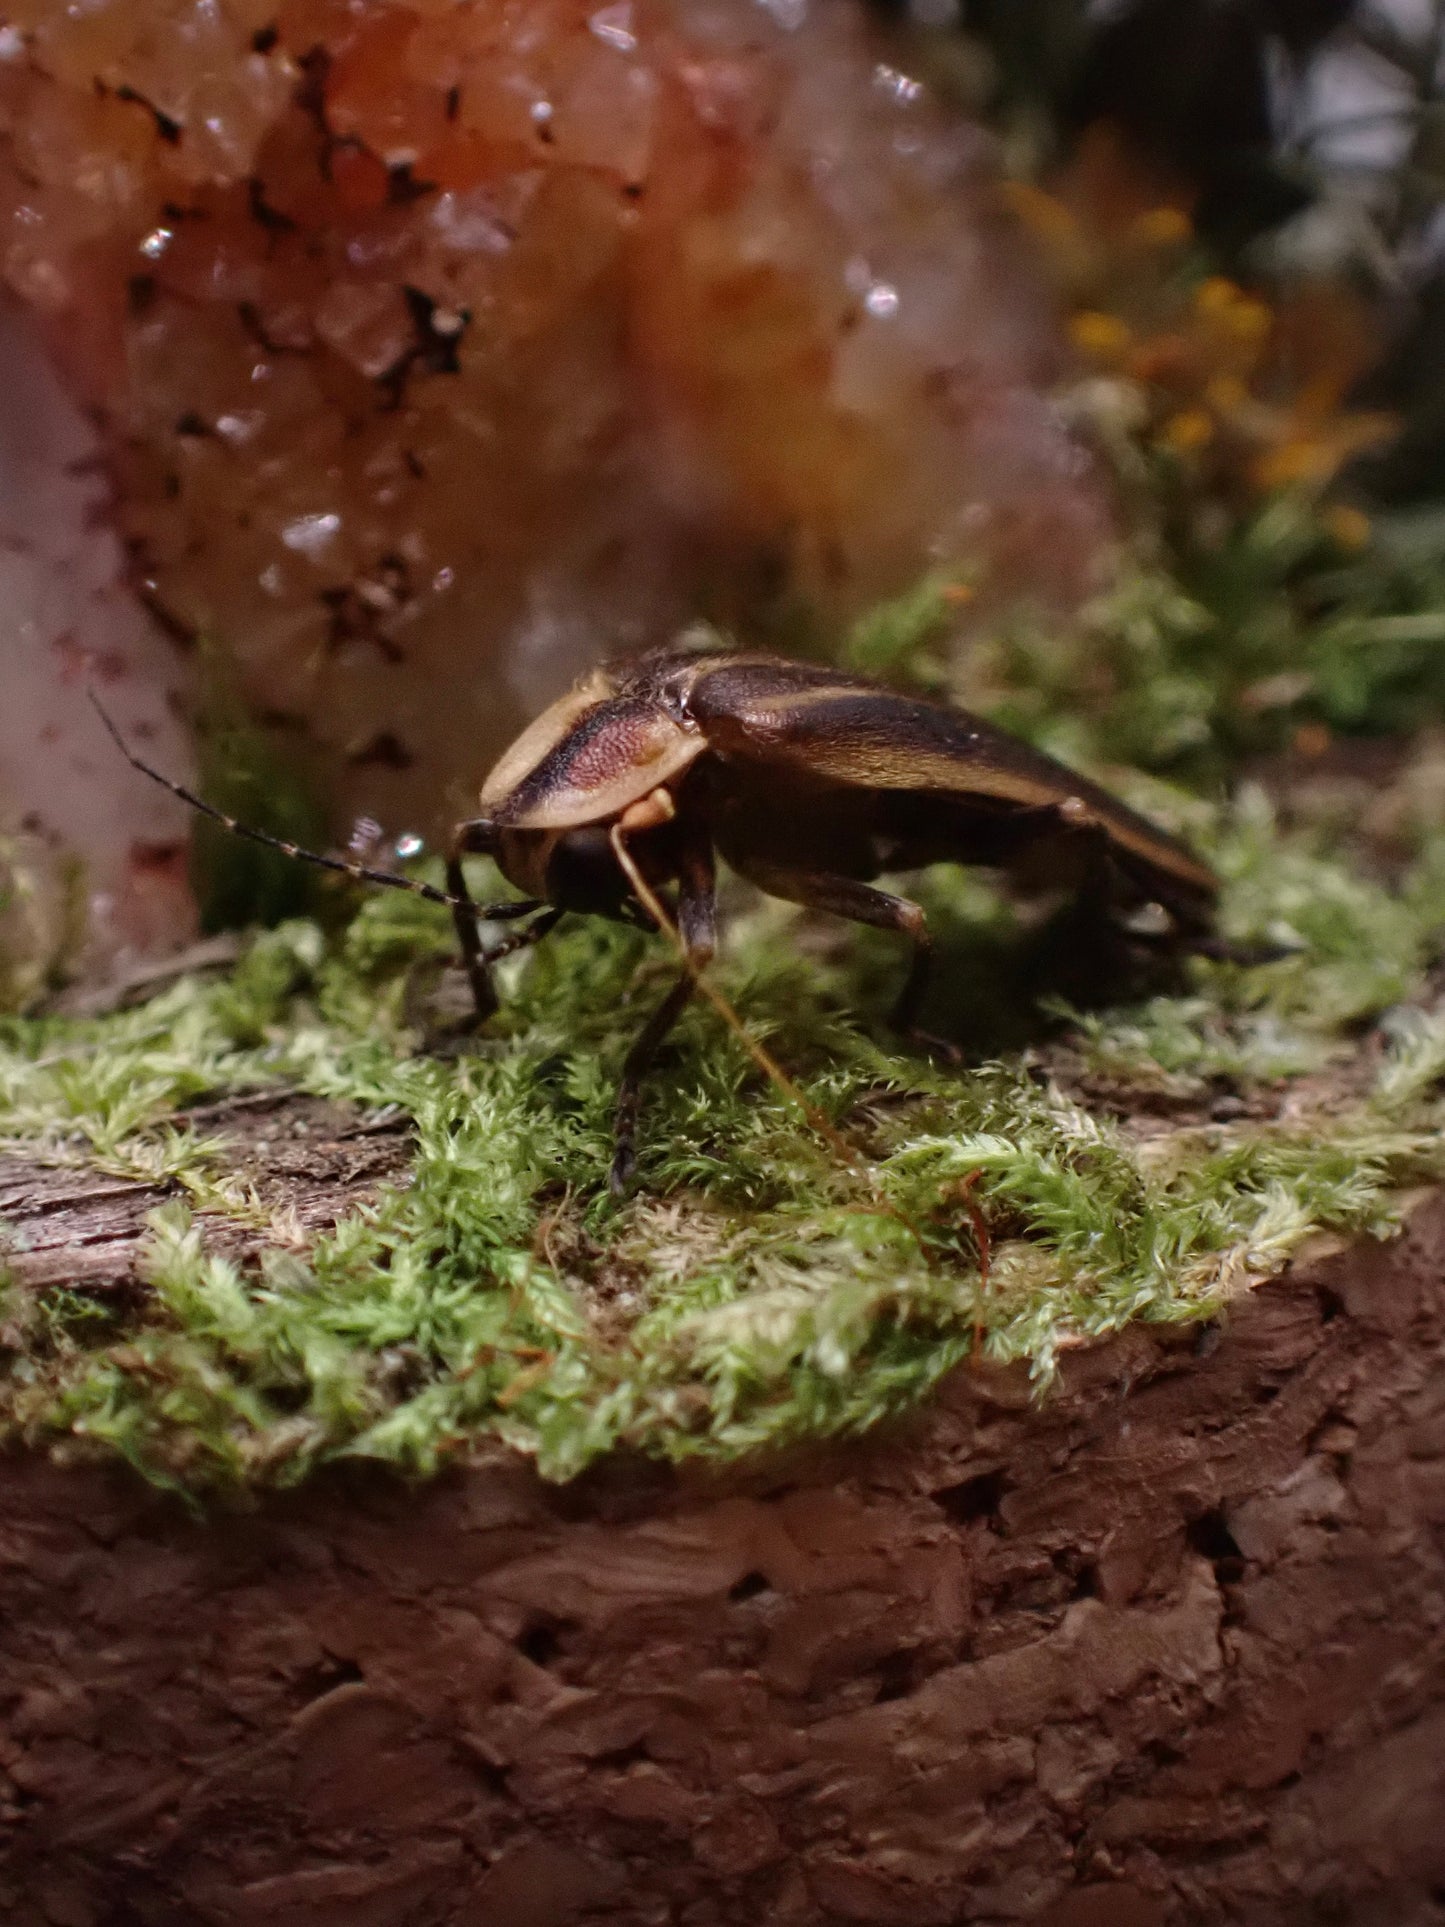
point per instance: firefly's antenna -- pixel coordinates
(359, 872)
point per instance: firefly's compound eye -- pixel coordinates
(583, 874)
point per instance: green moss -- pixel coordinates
(42, 929)
(754, 1289)
(1146, 1160)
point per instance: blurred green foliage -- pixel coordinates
(1191, 671)
(242, 772)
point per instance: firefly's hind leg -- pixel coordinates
(697, 926)
(1119, 885)
(1113, 882)
(861, 903)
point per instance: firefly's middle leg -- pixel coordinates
(697, 926)
(860, 903)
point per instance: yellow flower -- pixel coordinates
(1103, 336)
(1227, 395)
(1231, 312)
(1248, 320)
(1161, 227)
(1348, 527)
(1217, 294)
(1190, 429)
(1301, 458)
(1313, 455)
(1042, 214)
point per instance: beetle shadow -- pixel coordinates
(991, 986)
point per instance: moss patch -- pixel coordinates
(1145, 1161)
(1143, 1154)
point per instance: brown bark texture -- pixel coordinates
(1166, 1647)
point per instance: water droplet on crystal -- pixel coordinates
(409, 844)
(156, 243)
(239, 428)
(614, 26)
(311, 535)
(541, 112)
(880, 298)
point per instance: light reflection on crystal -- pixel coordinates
(469, 223)
(613, 26)
(409, 844)
(902, 86)
(311, 535)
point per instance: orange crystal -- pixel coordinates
(442, 347)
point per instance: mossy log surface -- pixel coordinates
(1168, 1646)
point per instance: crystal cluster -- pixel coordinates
(439, 348)
(71, 618)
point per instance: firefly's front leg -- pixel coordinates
(467, 915)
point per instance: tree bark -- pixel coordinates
(1166, 1647)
